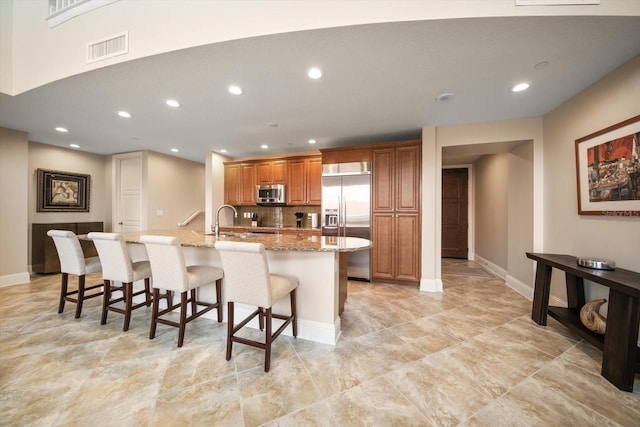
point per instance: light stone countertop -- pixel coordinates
(271, 242)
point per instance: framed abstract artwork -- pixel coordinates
(608, 170)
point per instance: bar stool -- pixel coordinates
(117, 267)
(171, 273)
(72, 261)
(247, 281)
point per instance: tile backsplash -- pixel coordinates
(275, 216)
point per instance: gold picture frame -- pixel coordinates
(60, 191)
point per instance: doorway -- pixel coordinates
(455, 221)
(129, 189)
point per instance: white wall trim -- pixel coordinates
(14, 279)
(520, 287)
(491, 267)
(431, 285)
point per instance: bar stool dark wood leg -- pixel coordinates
(105, 301)
(268, 338)
(63, 291)
(229, 329)
(219, 298)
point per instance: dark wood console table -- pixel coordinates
(620, 354)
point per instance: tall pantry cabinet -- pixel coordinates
(396, 212)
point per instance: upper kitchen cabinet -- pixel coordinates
(240, 184)
(396, 179)
(304, 181)
(271, 172)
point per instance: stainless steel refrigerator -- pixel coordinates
(346, 210)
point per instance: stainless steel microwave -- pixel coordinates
(271, 195)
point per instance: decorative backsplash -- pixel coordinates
(275, 216)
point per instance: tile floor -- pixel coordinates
(470, 356)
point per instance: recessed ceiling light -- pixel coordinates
(61, 129)
(444, 97)
(124, 114)
(173, 103)
(264, 146)
(236, 90)
(520, 87)
(74, 146)
(223, 150)
(312, 141)
(314, 73)
(175, 150)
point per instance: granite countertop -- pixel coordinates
(271, 242)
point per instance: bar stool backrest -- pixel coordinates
(168, 266)
(246, 273)
(69, 252)
(114, 256)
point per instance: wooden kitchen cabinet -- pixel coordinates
(305, 181)
(396, 179)
(396, 212)
(232, 184)
(271, 172)
(314, 181)
(240, 184)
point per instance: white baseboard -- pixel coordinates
(520, 287)
(491, 267)
(431, 285)
(14, 279)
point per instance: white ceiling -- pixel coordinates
(380, 82)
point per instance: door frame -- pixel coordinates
(470, 208)
(115, 193)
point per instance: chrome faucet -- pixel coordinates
(216, 228)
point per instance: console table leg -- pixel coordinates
(575, 291)
(541, 294)
(620, 340)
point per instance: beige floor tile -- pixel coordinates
(213, 403)
(533, 403)
(334, 370)
(442, 397)
(286, 388)
(591, 390)
(375, 403)
(317, 415)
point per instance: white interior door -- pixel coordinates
(129, 192)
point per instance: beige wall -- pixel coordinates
(13, 208)
(176, 187)
(609, 101)
(520, 213)
(43, 156)
(491, 210)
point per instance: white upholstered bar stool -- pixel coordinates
(171, 273)
(72, 261)
(118, 267)
(248, 281)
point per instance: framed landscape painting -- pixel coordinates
(608, 170)
(63, 191)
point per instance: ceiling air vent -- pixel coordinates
(108, 48)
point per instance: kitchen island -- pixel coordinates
(319, 263)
